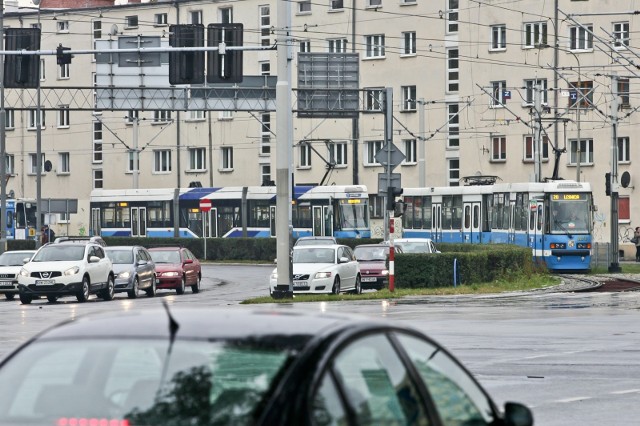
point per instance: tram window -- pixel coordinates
(506, 213)
(408, 216)
(476, 216)
(123, 218)
(540, 218)
(446, 212)
(108, 217)
(532, 220)
(259, 216)
(302, 216)
(426, 213)
(9, 219)
(467, 217)
(487, 205)
(456, 212)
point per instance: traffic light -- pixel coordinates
(392, 193)
(607, 184)
(186, 67)
(61, 57)
(224, 66)
(399, 208)
(22, 71)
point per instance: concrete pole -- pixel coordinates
(422, 178)
(38, 160)
(135, 153)
(388, 137)
(537, 101)
(3, 152)
(284, 136)
(615, 255)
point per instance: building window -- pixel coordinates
(304, 6)
(227, 158)
(374, 46)
(374, 3)
(581, 38)
(161, 116)
(585, 95)
(410, 151)
(376, 206)
(620, 35)
(498, 37)
(452, 71)
(160, 19)
(197, 115)
(195, 16)
(265, 143)
(63, 116)
(131, 21)
(131, 162)
(497, 94)
(33, 115)
(265, 68)
(97, 142)
(225, 115)
(64, 71)
(530, 90)
(162, 161)
(452, 16)
(409, 98)
(586, 152)
(197, 159)
(529, 149)
(10, 119)
(408, 2)
(535, 34)
(97, 179)
(97, 29)
(33, 161)
(64, 165)
(132, 115)
(372, 149)
(499, 148)
(225, 15)
(305, 155)
(623, 150)
(336, 5)
(373, 99)
(62, 26)
(10, 164)
(265, 174)
(409, 43)
(453, 126)
(338, 153)
(265, 26)
(304, 46)
(338, 45)
(623, 92)
(454, 172)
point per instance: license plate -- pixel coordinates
(45, 282)
(368, 279)
(299, 283)
(6, 283)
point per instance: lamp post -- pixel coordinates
(38, 151)
(3, 153)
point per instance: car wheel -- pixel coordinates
(83, 295)
(151, 291)
(109, 292)
(10, 296)
(25, 299)
(52, 299)
(180, 289)
(196, 287)
(336, 286)
(358, 289)
(133, 293)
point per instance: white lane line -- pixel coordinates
(577, 398)
(622, 392)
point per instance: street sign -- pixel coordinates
(573, 95)
(205, 205)
(397, 156)
(506, 94)
(383, 183)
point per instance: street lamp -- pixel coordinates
(38, 149)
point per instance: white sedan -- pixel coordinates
(322, 269)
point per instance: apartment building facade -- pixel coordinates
(465, 76)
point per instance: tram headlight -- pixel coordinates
(584, 246)
(558, 245)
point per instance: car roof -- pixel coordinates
(312, 246)
(113, 248)
(81, 240)
(164, 248)
(412, 240)
(372, 245)
(317, 237)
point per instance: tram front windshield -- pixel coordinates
(570, 213)
(353, 215)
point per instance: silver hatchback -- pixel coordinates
(134, 270)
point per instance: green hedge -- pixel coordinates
(21, 244)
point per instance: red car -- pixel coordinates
(176, 268)
(372, 259)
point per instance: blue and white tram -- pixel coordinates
(553, 218)
(341, 211)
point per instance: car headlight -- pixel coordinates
(125, 274)
(385, 272)
(171, 274)
(24, 273)
(322, 275)
(72, 271)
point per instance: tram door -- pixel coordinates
(272, 221)
(322, 221)
(436, 222)
(512, 223)
(471, 225)
(95, 222)
(536, 227)
(138, 221)
(210, 223)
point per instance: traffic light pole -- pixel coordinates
(614, 254)
(388, 138)
(3, 150)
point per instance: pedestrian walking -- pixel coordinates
(636, 241)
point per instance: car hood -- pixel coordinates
(166, 267)
(309, 268)
(62, 265)
(372, 265)
(122, 267)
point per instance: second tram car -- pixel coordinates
(554, 219)
(339, 211)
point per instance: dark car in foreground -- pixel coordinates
(373, 261)
(176, 269)
(240, 367)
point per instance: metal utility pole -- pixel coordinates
(388, 137)
(38, 153)
(423, 146)
(614, 254)
(3, 146)
(537, 101)
(135, 154)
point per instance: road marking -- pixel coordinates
(577, 398)
(622, 392)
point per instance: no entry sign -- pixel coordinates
(205, 205)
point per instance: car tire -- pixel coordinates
(25, 299)
(83, 294)
(52, 299)
(133, 293)
(151, 291)
(196, 287)
(335, 290)
(358, 289)
(10, 296)
(181, 287)
(109, 292)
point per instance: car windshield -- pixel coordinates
(13, 259)
(314, 255)
(165, 256)
(135, 382)
(124, 257)
(414, 247)
(56, 253)
(371, 253)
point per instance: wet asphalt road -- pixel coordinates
(574, 358)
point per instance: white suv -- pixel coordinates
(72, 268)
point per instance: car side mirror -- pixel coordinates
(94, 259)
(187, 261)
(343, 260)
(141, 262)
(516, 414)
(26, 260)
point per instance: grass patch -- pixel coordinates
(534, 281)
(627, 268)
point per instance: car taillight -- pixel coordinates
(81, 421)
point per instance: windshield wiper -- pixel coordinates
(173, 330)
(559, 225)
